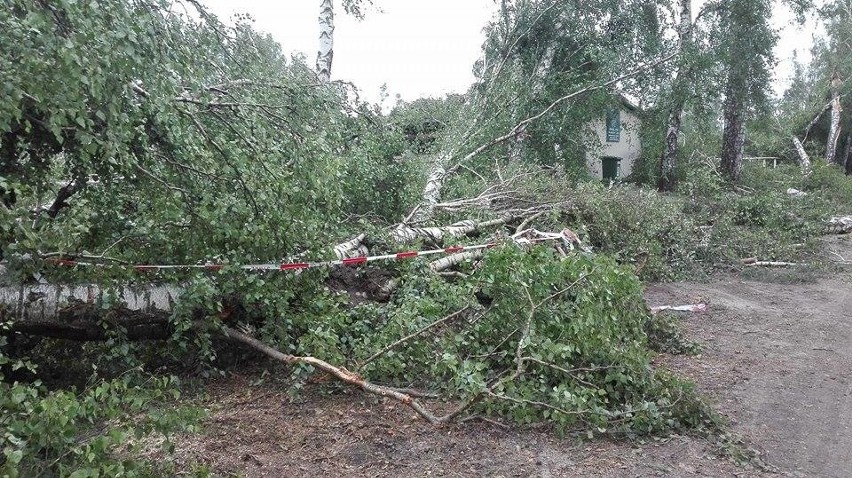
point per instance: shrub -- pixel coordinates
(832, 185)
(91, 434)
(665, 334)
(638, 226)
(550, 340)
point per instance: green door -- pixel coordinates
(610, 168)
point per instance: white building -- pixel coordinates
(615, 145)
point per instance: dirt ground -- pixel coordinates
(776, 360)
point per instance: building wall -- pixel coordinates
(628, 148)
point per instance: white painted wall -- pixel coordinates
(628, 148)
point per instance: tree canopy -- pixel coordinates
(172, 134)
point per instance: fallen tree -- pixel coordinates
(441, 169)
(804, 159)
(526, 335)
(88, 323)
(839, 225)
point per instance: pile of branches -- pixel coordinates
(535, 329)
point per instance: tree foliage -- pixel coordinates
(804, 109)
(556, 340)
(197, 134)
(537, 51)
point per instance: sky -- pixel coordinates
(425, 47)
(416, 47)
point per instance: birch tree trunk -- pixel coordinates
(804, 160)
(733, 137)
(847, 150)
(834, 128)
(326, 40)
(431, 192)
(73, 311)
(668, 159)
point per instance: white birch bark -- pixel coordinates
(834, 129)
(45, 301)
(840, 224)
(404, 234)
(351, 248)
(804, 160)
(449, 261)
(326, 40)
(668, 161)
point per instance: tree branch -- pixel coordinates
(412, 335)
(341, 374)
(525, 123)
(65, 193)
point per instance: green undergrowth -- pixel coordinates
(707, 225)
(585, 355)
(665, 333)
(98, 431)
(537, 339)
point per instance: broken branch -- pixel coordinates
(412, 335)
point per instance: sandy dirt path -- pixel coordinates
(778, 361)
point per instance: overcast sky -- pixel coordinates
(421, 47)
(416, 47)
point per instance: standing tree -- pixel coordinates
(834, 127)
(747, 42)
(541, 57)
(325, 55)
(326, 40)
(833, 61)
(539, 50)
(668, 159)
(824, 90)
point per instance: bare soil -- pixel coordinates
(776, 360)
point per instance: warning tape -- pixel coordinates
(297, 266)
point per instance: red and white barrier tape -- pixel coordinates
(297, 266)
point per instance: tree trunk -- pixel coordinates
(847, 150)
(668, 159)
(804, 160)
(326, 40)
(73, 311)
(87, 323)
(834, 128)
(733, 137)
(431, 192)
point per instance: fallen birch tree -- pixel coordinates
(440, 171)
(754, 262)
(804, 159)
(513, 327)
(839, 225)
